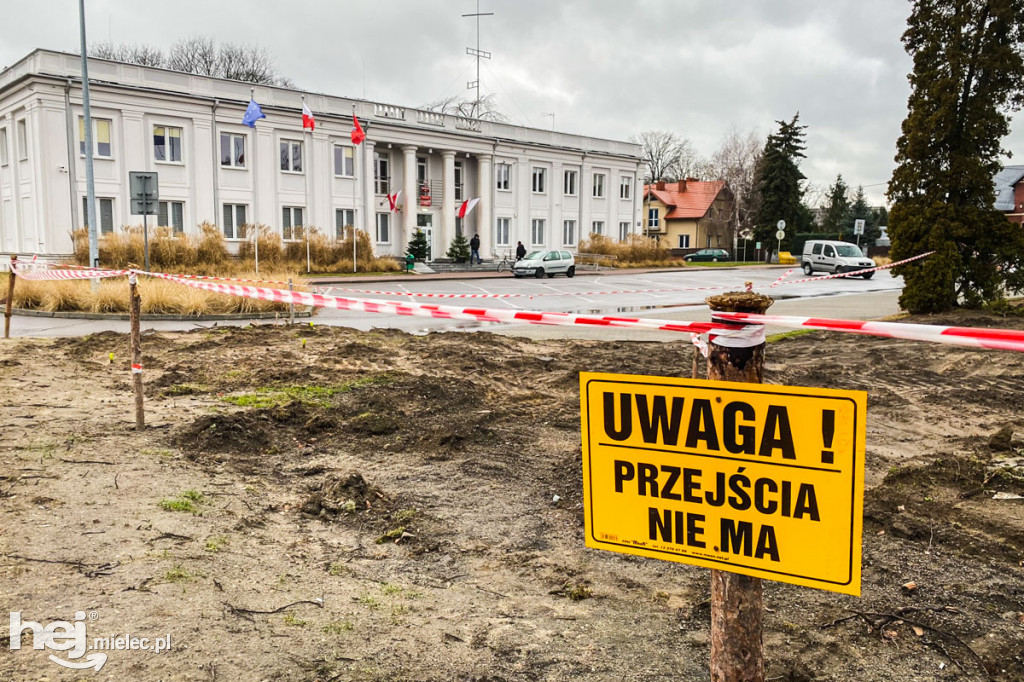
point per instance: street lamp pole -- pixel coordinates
(90, 184)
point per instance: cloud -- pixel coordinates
(605, 68)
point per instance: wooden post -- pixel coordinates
(737, 606)
(136, 305)
(10, 298)
(291, 306)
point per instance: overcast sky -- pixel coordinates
(606, 68)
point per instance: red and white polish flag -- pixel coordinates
(467, 206)
(307, 118)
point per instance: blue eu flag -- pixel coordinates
(252, 114)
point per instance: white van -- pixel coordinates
(829, 256)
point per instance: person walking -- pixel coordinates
(520, 251)
(474, 249)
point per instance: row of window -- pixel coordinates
(21, 141)
(167, 147)
(569, 182)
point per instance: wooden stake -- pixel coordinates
(135, 307)
(737, 606)
(10, 298)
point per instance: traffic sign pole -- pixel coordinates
(737, 603)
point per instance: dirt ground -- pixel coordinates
(380, 506)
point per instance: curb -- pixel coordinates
(152, 318)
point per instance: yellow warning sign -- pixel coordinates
(750, 478)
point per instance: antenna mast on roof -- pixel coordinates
(478, 53)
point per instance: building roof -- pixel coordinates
(686, 199)
(1005, 180)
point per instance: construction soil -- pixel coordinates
(326, 504)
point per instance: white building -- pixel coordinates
(543, 188)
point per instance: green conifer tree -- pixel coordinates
(968, 74)
(838, 209)
(859, 210)
(418, 246)
(779, 183)
(459, 250)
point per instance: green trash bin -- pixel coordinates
(410, 262)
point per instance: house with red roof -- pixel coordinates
(689, 214)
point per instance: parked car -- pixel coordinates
(831, 256)
(707, 256)
(550, 263)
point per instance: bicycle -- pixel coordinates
(506, 263)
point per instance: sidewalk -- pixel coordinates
(493, 274)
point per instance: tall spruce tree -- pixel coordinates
(833, 222)
(779, 182)
(968, 75)
(859, 210)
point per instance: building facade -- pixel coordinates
(543, 188)
(690, 214)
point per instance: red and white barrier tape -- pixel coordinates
(452, 312)
(974, 337)
(34, 272)
(1001, 339)
(854, 273)
(225, 279)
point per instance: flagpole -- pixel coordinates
(354, 175)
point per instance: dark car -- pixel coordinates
(707, 255)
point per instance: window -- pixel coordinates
(625, 187)
(652, 218)
(3, 147)
(381, 174)
(538, 180)
(569, 232)
(458, 181)
(104, 213)
(167, 144)
(598, 185)
(234, 221)
(344, 220)
(232, 150)
(502, 175)
(623, 231)
(597, 227)
(537, 232)
(171, 214)
(502, 236)
(344, 164)
(684, 241)
(291, 223)
(383, 228)
(22, 139)
(100, 137)
(570, 183)
(291, 156)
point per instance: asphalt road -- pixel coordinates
(677, 295)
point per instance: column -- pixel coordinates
(369, 198)
(484, 219)
(447, 202)
(410, 200)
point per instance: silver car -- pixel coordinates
(550, 263)
(833, 256)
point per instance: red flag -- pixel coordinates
(393, 200)
(307, 118)
(357, 132)
(466, 207)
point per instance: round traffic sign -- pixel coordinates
(781, 234)
(781, 224)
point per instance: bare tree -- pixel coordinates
(197, 55)
(736, 161)
(485, 110)
(659, 149)
(144, 55)
(202, 56)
